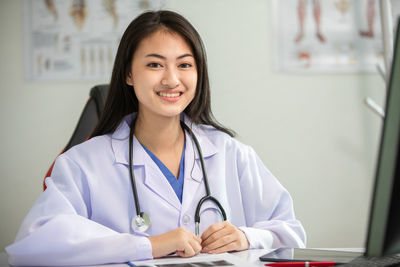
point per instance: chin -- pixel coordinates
(170, 113)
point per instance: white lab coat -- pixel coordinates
(84, 216)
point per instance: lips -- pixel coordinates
(172, 96)
(163, 94)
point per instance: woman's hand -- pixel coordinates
(223, 237)
(179, 241)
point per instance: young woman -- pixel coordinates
(132, 190)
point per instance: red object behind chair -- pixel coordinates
(87, 121)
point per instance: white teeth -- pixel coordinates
(168, 95)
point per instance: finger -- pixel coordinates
(195, 246)
(188, 251)
(197, 238)
(213, 228)
(217, 235)
(223, 241)
(228, 247)
(180, 253)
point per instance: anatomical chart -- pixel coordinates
(338, 36)
(76, 40)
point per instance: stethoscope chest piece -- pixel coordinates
(140, 223)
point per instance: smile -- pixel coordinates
(169, 95)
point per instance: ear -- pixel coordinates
(129, 80)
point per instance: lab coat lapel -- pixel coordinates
(156, 181)
(193, 173)
(153, 177)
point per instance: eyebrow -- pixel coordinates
(162, 57)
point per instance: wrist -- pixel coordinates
(159, 249)
(245, 241)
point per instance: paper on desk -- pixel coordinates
(200, 260)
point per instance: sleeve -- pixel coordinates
(57, 230)
(268, 207)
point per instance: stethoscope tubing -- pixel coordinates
(207, 197)
(198, 147)
(135, 194)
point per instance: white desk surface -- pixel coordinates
(250, 256)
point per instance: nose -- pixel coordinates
(170, 79)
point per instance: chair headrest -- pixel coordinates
(99, 94)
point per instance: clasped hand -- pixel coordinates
(218, 238)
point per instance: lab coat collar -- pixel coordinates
(193, 173)
(120, 142)
(207, 147)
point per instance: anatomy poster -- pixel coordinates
(76, 39)
(328, 36)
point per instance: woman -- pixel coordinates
(158, 106)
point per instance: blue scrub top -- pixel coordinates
(177, 184)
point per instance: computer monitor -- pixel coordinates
(384, 222)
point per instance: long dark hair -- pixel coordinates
(121, 99)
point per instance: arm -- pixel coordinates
(58, 231)
(268, 207)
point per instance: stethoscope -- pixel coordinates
(141, 222)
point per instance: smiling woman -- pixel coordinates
(163, 75)
(157, 145)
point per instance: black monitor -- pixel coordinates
(384, 222)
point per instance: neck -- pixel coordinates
(159, 133)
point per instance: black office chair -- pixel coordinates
(90, 115)
(87, 121)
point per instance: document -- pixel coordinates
(200, 260)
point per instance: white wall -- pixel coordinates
(312, 131)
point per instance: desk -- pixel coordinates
(250, 256)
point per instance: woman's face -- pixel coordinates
(163, 74)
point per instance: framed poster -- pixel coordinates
(327, 36)
(76, 39)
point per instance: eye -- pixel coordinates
(185, 65)
(154, 65)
